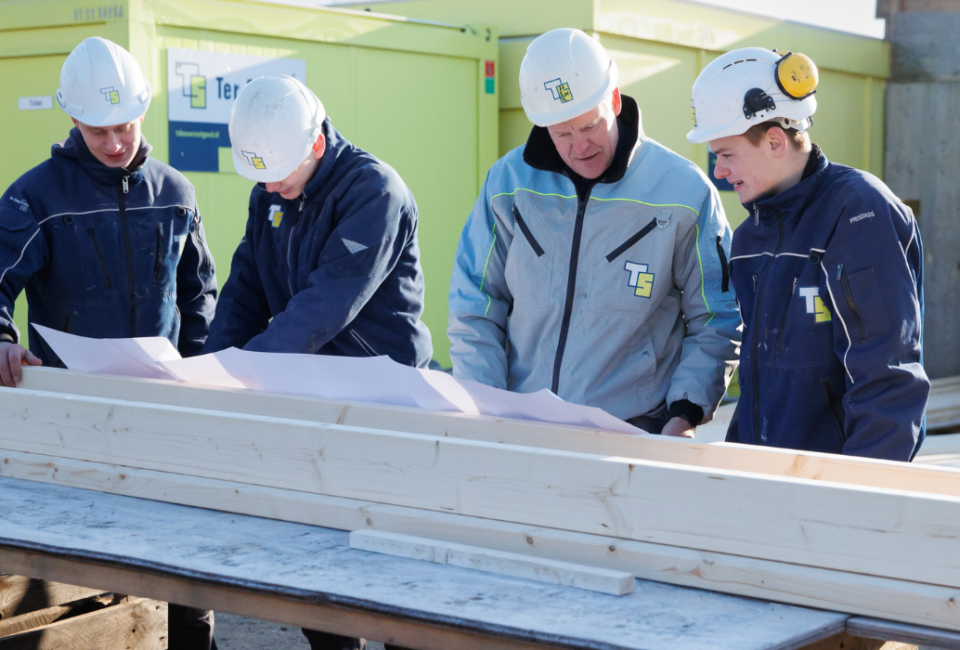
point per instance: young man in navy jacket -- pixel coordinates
(106, 241)
(828, 271)
(329, 263)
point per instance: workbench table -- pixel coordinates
(308, 576)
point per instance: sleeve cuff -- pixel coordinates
(687, 410)
(7, 337)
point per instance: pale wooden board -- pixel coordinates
(829, 590)
(777, 462)
(20, 594)
(606, 581)
(792, 520)
(307, 576)
(138, 624)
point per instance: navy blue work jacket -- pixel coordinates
(335, 271)
(105, 252)
(829, 277)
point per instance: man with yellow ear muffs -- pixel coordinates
(828, 271)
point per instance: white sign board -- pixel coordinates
(40, 103)
(201, 88)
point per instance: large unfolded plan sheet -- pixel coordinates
(375, 379)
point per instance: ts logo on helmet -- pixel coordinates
(253, 159)
(111, 95)
(559, 90)
(640, 281)
(815, 305)
(274, 216)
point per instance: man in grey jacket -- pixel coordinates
(594, 261)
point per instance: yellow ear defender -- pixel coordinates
(796, 75)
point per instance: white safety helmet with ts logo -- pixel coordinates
(102, 85)
(274, 123)
(749, 86)
(564, 74)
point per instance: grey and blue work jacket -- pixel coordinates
(829, 276)
(612, 293)
(105, 252)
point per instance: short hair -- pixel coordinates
(800, 141)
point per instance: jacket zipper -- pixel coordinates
(526, 232)
(614, 254)
(756, 331)
(783, 322)
(363, 344)
(725, 285)
(848, 294)
(159, 259)
(122, 189)
(571, 292)
(103, 264)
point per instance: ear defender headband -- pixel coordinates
(797, 78)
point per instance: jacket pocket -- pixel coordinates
(834, 406)
(724, 267)
(363, 344)
(786, 312)
(865, 301)
(643, 232)
(103, 264)
(158, 261)
(534, 244)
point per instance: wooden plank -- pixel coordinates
(798, 585)
(821, 524)
(568, 574)
(20, 594)
(776, 462)
(48, 615)
(138, 624)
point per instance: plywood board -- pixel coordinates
(775, 581)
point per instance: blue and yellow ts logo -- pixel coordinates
(559, 90)
(815, 306)
(111, 95)
(274, 216)
(640, 280)
(255, 160)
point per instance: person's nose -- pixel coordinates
(273, 187)
(112, 143)
(721, 171)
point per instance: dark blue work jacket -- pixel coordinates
(829, 277)
(105, 252)
(335, 271)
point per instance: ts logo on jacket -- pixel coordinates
(274, 215)
(640, 280)
(815, 304)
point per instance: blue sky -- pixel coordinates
(856, 16)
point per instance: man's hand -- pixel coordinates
(12, 356)
(678, 428)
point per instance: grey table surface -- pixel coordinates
(316, 565)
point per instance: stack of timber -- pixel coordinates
(38, 615)
(866, 537)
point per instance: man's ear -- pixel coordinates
(75, 122)
(777, 141)
(319, 147)
(617, 101)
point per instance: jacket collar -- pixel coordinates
(791, 203)
(74, 147)
(540, 152)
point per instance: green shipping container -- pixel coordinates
(660, 47)
(420, 95)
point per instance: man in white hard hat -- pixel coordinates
(329, 262)
(593, 263)
(828, 271)
(106, 240)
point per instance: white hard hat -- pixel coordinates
(102, 85)
(564, 74)
(273, 124)
(749, 86)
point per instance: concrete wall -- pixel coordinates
(922, 165)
